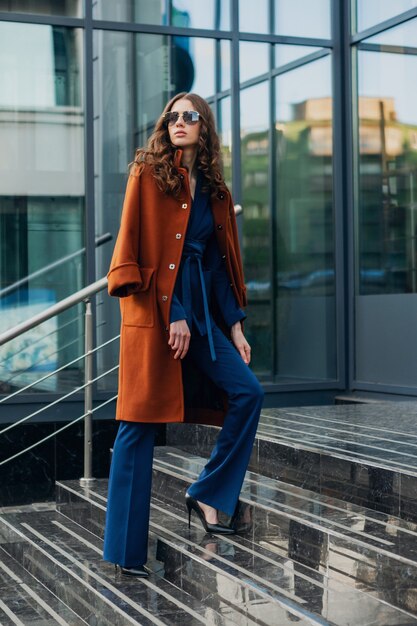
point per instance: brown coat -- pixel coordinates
(153, 386)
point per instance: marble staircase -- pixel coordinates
(327, 534)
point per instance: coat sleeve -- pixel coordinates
(177, 310)
(124, 275)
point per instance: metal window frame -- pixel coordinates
(355, 41)
(338, 45)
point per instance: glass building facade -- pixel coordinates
(316, 107)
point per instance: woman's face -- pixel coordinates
(180, 133)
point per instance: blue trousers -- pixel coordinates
(220, 482)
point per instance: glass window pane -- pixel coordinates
(69, 8)
(387, 173)
(225, 65)
(208, 14)
(224, 128)
(254, 59)
(302, 18)
(386, 218)
(256, 224)
(285, 54)
(193, 65)
(212, 14)
(253, 18)
(403, 35)
(41, 194)
(306, 323)
(371, 12)
(149, 12)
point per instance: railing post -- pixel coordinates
(88, 397)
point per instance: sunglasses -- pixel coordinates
(189, 117)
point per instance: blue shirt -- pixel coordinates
(195, 281)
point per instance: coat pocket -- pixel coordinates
(138, 309)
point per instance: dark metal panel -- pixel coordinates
(157, 29)
(378, 47)
(235, 92)
(389, 389)
(272, 193)
(90, 257)
(339, 184)
(285, 39)
(351, 149)
(50, 20)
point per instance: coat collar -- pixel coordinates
(219, 206)
(177, 157)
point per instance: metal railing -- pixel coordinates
(83, 295)
(52, 266)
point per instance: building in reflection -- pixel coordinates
(320, 148)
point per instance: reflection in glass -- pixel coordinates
(149, 12)
(286, 53)
(371, 12)
(193, 65)
(256, 224)
(41, 196)
(69, 8)
(213, 14)
(304, 218)
(302, 18)
(224, 128)
(225, 65)
(253, 18)
(254, 59)
(387, 211)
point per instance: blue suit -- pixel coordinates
(201, 275)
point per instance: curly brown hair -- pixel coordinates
(159, 152)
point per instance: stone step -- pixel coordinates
(263, 557)
(24, 600)
(385, 533)
(353, 545)
(364, 454)
(68, 560)
(185, 558)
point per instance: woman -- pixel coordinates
(177, 270)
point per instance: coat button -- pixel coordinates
(182, 176)
(178, 235)
(164, 298)
(172, 266)
(223, 256)
(219, 226)
(184, 206)
(231, 284)
(221, 196)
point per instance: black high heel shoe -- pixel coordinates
(219, 529)
(138, 571)
(236, 521)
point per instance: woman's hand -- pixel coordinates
(240, 342)
(179, 338)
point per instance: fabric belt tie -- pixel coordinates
(193, 251)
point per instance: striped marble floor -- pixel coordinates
(327, 536)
